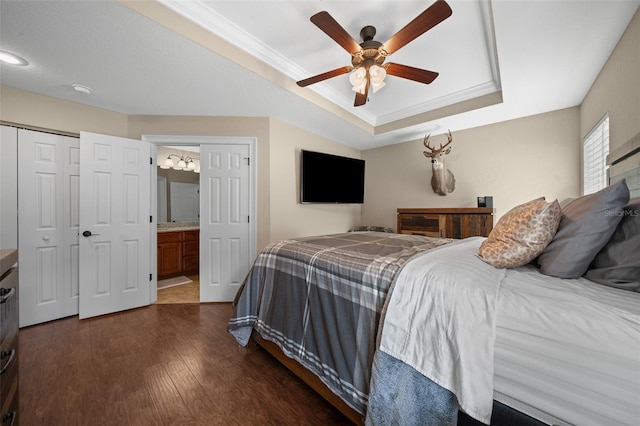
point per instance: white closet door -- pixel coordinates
(48, 185)
(115, 224)
(224, 220)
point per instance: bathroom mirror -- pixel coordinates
(178, 190)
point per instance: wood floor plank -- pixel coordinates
(159, 365)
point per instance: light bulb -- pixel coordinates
(358, 80)
(168, 163)
(377, 75)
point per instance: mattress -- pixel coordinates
(567, 351)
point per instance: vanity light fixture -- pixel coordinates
(184, 163)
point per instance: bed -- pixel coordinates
(405, 329)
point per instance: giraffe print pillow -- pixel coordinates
(521, 234)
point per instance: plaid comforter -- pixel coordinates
(320, 298)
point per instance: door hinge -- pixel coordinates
(151, 160)
(150, 219)
(150, 277)
(248, 219)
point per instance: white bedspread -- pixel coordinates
(562, 351)
(441, 320)
(569, 349)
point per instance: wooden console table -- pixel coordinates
(446, 222)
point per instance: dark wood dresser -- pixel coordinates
(9, 401)
(446, 222)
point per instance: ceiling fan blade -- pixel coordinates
(330, 26)
(432, 16)
(411, 73)
(361, 98)
(324, 76)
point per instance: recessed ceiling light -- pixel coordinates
(13, 59)
(82, 89)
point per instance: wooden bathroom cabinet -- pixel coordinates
(178, 253)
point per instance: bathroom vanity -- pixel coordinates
(178, 251)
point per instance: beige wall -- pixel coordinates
(517, 160)
(513, 161)
(616, 90)
(219, 126)
(27, 108)
(278, 146)
(295, 219)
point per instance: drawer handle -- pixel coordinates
(6, 416)
(6, 294)
(3, 355)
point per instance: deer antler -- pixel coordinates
(449, 139)
(433, 150)
(425, 141)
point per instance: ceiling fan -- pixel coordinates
(367, 58)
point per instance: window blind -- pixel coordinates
(594, 157)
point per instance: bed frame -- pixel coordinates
(624, 162)
(502, 415)
(309, 378)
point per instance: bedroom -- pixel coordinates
(551, 139)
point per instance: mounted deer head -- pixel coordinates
(442, 180)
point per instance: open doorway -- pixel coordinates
(228, 219)
(178, 213)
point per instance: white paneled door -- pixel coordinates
(185, 202)
(115, 224)
(224, 220)
(48, 199)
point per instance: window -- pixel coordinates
(594, 157)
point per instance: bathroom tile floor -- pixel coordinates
(186, 293)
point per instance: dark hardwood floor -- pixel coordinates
(158, 365)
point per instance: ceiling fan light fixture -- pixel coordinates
(366, 57)
(377, 75)
(377, 86)
(358, 80)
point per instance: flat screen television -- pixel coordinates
(327, 178)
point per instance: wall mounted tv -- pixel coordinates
(327, 178)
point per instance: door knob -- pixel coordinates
(88, 234)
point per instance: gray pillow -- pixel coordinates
(586, 225)
(618, 263)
